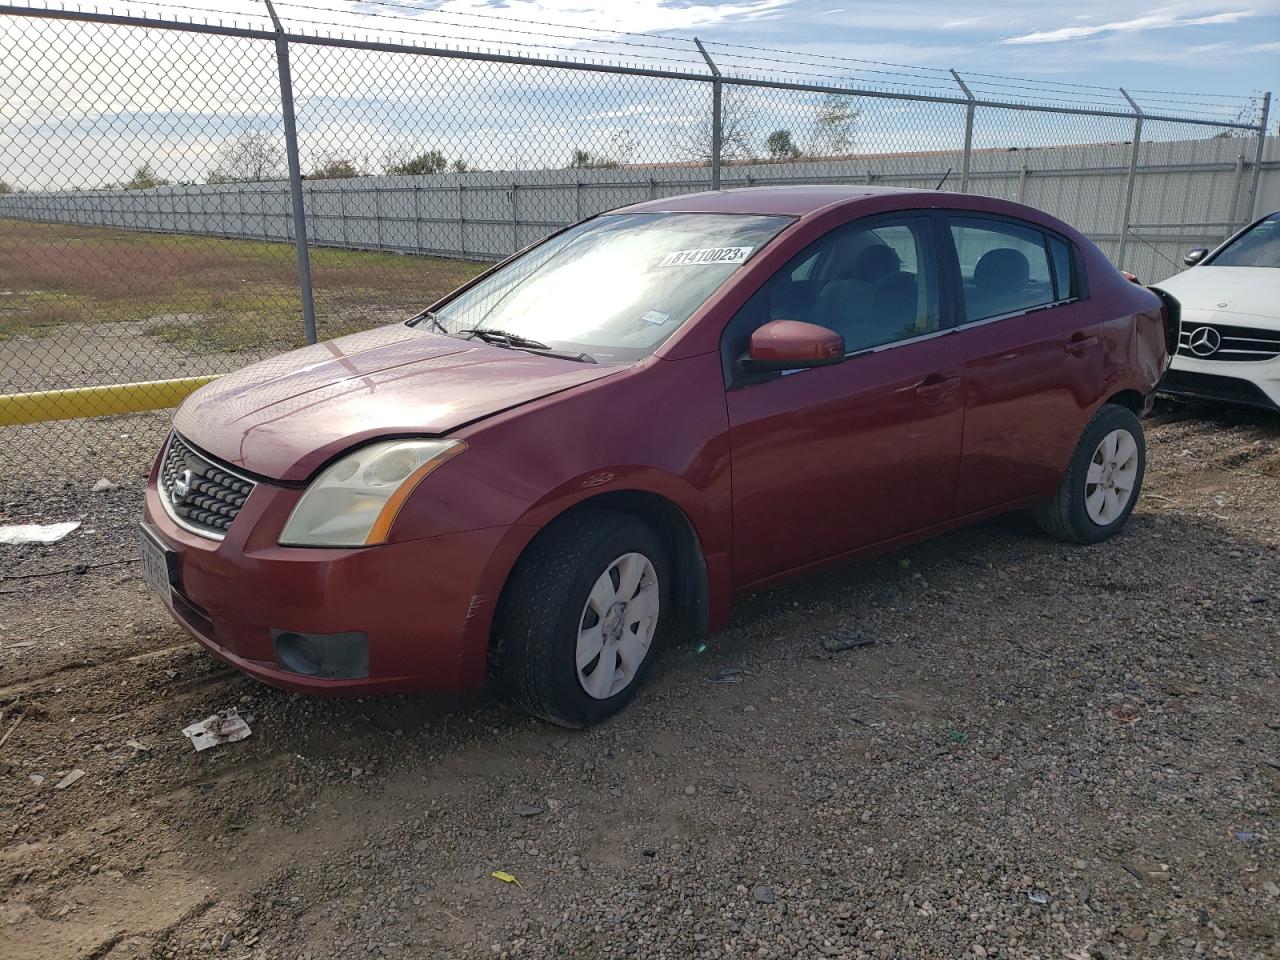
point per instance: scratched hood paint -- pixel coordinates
(284, 417)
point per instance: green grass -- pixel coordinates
(204, 294)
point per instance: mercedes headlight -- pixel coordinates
(354, 501)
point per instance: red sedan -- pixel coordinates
(593, 447)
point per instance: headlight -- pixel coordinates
(354, 501)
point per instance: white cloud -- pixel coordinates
(1156, 20)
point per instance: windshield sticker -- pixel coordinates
(656, 317)
(707, 255)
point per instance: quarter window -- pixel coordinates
(1009, 268)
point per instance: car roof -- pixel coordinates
(793, 201)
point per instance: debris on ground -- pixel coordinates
(1038, 897)
(527, 810)
(1125, 713)
(846, 641)
(727, 675)
(225, 726)
(70, 779)
(506, 878)
(763, 893)
(15, 533)
(9, 732)
(104, 486)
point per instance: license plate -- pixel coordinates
(157, 565)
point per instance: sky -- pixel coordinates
(83, 105)
(1209, 46)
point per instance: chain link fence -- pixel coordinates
(178, 199)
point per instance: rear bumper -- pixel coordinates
(424, 606)
(1251, 384)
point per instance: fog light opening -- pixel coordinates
(328, 656)
(299, 653)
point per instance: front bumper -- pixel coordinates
(1255, 384)
(424, 605)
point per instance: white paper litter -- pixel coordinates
(35, 532)
(225, 726)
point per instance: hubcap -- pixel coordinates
(1113, 471)
(617, 625)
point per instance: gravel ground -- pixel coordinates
(1047, 751)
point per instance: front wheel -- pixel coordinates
(581, 616)
(1102, 482)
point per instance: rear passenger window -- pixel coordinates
(1006, 267)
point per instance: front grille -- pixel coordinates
(1237, 343)
(213, 495)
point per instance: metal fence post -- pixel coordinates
(515, 219)
(717, 115)
(968, 133)
(295, 178)
(1258, 157)
(1132, 178)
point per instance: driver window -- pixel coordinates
(873, 283)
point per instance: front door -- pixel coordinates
(831, 459)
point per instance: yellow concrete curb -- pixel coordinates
(101, 401)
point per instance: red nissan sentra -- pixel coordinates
(595, 446)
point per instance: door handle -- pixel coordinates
(936, 386)
(1077, 345)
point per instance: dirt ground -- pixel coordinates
(1048, 751)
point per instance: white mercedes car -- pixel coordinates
(1229, 335)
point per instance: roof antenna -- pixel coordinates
(944, 179)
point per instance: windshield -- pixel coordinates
(1260, 247)
(613, 288)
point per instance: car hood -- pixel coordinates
(1248, 291)
(285, 417)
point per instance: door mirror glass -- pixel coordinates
(793, 345)
(1193, 257)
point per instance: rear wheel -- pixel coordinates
(581, 616)
(1102, 482)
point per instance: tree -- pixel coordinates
(249, 157)
(459, 166)
(781, 147)
(738, 115)
(144, 178)
(586, 160)
(835, 125)
(5, 187)
(335, 168)
(432, 161)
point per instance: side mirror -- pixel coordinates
(1192, 257)
(793, 345)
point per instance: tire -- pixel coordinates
(555, 602)
(1085, 511)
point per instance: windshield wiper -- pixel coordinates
(504, 338)
(514, 341)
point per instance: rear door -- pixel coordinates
(1033, 357)
(830, 459)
